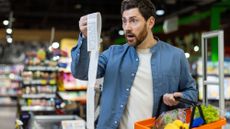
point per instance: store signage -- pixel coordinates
(170, 25)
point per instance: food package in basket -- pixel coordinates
(169, 117)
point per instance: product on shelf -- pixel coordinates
(39, 82)
(79, 96)
(10, 80)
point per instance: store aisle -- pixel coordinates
(7, 117)
(227, 126)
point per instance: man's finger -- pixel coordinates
(177, 94)
(83, 18)
(167, 100)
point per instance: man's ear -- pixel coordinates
(151, 22)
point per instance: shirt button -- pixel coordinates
(121, 105)
(78, 54)
(127, 89)
(115, 122)
(137, 59)
(133, 74)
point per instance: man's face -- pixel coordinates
(135, 26)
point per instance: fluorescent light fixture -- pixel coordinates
(196, 48)
(9, 40)
(160, 12)
(187, 55)
(121, 32)
(9, 31)
(55, 45)
(78, 6)
(5, 22)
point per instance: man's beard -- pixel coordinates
(137, 40)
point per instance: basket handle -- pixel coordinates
(185, 101)
(181, 100)
(194, 105)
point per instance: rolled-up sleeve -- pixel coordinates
(80, 60)
(187, 83)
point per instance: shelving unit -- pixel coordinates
(39, 87)
(72, 91)
(212, 74)
(38, 108)
(10, 84)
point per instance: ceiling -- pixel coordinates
(64, 14)
(39, 16)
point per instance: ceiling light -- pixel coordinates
(9, 31)
(77, 6)
(121, 32)
(9, 40)
(160, 12)
(5, 22)
(55, 45)
(196, 48)
(187, 55)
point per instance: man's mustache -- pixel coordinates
(129, 33)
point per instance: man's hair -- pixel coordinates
(146, 7)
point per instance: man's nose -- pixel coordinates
(127, 27)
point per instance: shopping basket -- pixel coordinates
(149, 123)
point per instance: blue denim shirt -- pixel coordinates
(118, 65)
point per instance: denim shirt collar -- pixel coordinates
(152, 49)
(156, 46)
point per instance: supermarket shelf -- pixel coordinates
(215, 99)
(69, 97)
(12, 80)
(40, 82)
(41, 68)
(8, 95)
(12, 103)
(34, 96)
(77, 99)
(9, 87)
(75, 88)
(37, 108)
(216, 75)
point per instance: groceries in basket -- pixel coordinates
(211, 114)
(197, 117)
(178, 118)
(177, 124)
(170, 117)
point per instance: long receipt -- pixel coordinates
(93, 42)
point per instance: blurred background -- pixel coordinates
(36, 37)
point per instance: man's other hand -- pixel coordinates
(169, 99)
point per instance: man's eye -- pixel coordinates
(123, 21)
(133, 20)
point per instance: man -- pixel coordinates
(137, 74)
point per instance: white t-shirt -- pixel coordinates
(140, 102)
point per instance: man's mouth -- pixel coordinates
(130, 36)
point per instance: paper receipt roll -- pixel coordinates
(93, 42)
